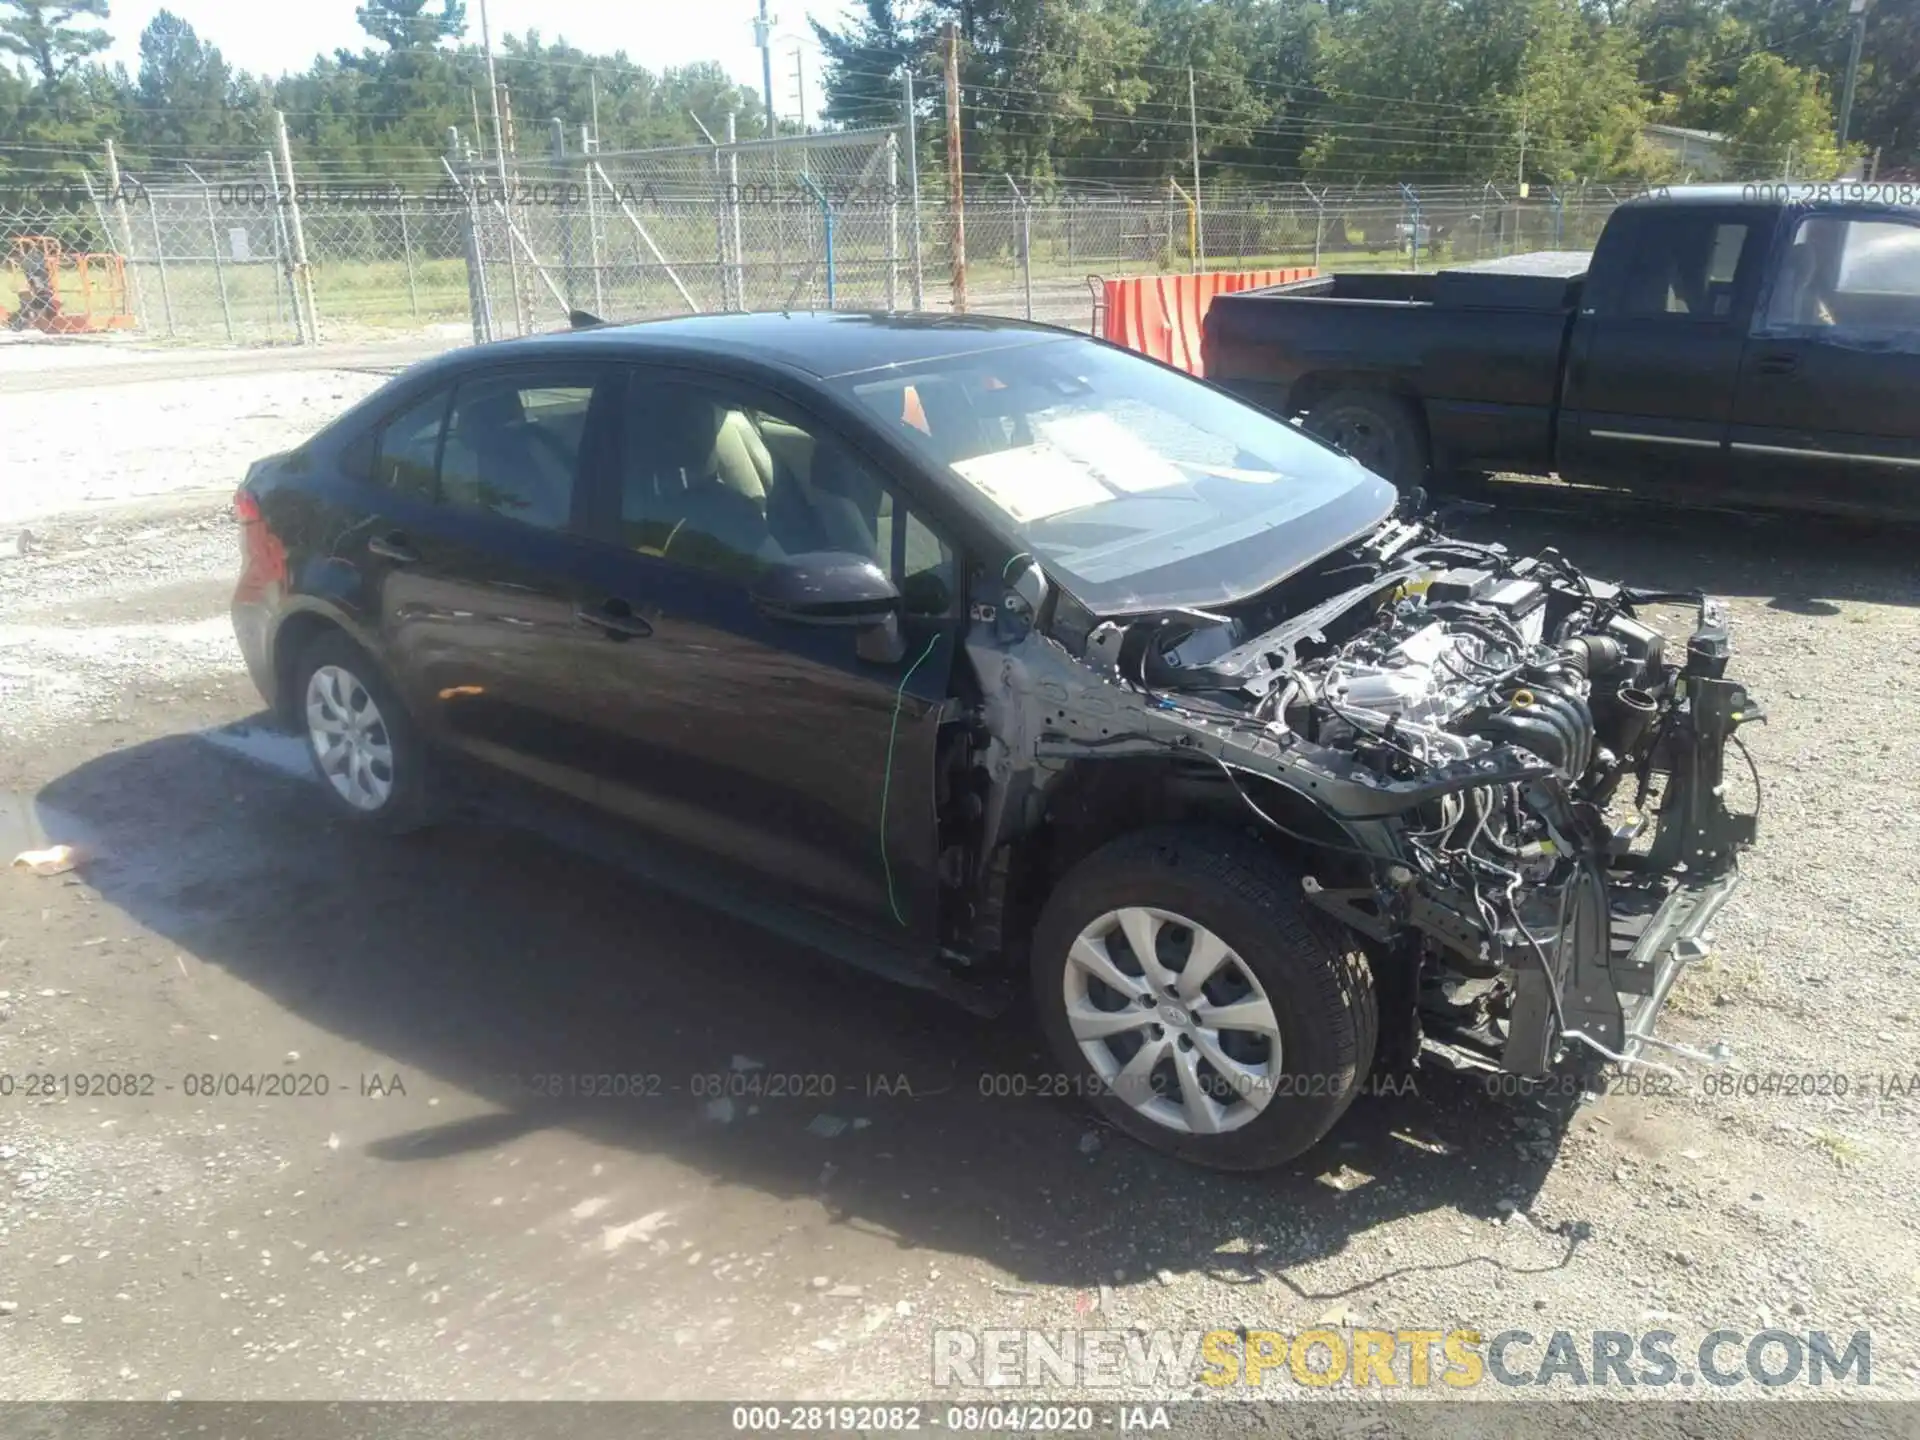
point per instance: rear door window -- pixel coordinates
(1683, 267)
(513, 445)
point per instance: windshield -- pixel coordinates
(1136, 487)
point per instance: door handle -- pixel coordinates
(1777, 364)
(393, 546)
(615, 619)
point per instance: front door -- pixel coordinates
(1829, 406)
(477, 555)
(1655, 355)
(797, 752)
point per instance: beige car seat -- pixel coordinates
(741, 459)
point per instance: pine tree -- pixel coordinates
(407, 25)
(188, 97)
(865, 64)
(46, 35)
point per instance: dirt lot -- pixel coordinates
(432, 1226)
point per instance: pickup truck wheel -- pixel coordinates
(1205, 1008)
(1383, 432)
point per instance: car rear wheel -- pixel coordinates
(1383, 432)
(1207, 1010)
(370, 759)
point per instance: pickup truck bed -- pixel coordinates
(1481, 344)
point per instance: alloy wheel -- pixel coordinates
(349, 738)
(1172, 1020)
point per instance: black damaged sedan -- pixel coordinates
(996, 657)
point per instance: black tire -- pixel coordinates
(1383, 432)
(1313, 971)
(409, 804)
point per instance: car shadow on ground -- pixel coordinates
(478, 953)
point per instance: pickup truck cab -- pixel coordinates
(1735, 344)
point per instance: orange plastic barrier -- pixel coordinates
(1162, 315)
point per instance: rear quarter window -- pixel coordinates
(406, 448)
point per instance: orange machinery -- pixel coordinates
(99, 283)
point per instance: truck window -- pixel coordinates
(1683, 265)
(1847, 277)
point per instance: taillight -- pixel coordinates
(263, 559)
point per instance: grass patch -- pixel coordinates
(1843, 1152)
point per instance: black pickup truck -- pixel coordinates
(1732, 344)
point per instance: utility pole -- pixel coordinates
(956, 189)
(301, 281)
(913, 180)
(800, 87)
(522, 288)
(763, 37)
(1193, 131)
(123, 230)
(1858, 10)
(593, 90)
(1520, 169)
(493, 98)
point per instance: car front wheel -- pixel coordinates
(364, 747)
(1208, 1011)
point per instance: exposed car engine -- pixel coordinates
(1448, 731)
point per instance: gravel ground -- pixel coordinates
(86, 446)
(465, 1240)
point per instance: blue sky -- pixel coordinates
(280, 35)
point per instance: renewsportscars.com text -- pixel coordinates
(1451, 1359)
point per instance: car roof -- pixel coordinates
(825, 344)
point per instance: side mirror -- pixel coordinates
(827, 588)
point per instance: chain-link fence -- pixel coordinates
(215, 259)
(815, 222)
(237, 255)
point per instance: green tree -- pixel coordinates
(48, 36)
(865, 65)
(1692, 51)
(57, 108)
(1042, 81)
(186, 96)
(409, 25)
(1478, 89)
(1231, 109)
(1285, 44)
(15, 95)
(1776, 117)
(1886, 109)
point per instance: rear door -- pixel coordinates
(1829, 406)
(1655, 355)
(475, 560)
(787, 750)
